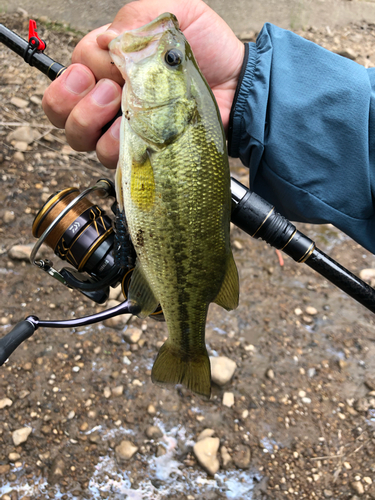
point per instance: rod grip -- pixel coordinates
(22, 331)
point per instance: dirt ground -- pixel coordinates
(303, 420)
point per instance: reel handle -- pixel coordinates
(21, 332)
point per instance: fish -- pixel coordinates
(173, 182)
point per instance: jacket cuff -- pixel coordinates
(238, 106)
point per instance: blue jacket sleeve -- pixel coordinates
(303, 121)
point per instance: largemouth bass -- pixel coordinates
(173, 181)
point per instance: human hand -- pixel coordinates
(88, 94)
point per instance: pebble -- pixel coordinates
(20, 252)
(107, 392)
(228, 399)
(115, 293)
(5, 402)
(71, 414)
(225, 456)
(13, 457)
(18, 102)
(20, 146)
(4, 469)
(370, 382)
(153, 432)
(118, 322)
(328, 493)
(205, 433)
(20, 436)
(222, 369)
(311, 311)
(368, 275)
(205, 452)
(132, 335)
(118, 391)
(270, 374)
(242, 457)
(23, 134)
(9, 216)
(151, 410)
(358, 487)
(125, 450)
(348, 53)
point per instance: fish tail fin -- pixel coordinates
(173, 367)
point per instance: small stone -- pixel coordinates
(118, 322)
(306, 401)
(20, 436)
(307, 319)
(222, 369)
(4, 469)
(205, 433)
(125, 450)
(328, 493)
(368, 275)
(370, 382)
(18, 102)
(205, 452)
(8, 216)
(84, 427)
(20, 252)
(270, 374)
(13, 457)
(311, 311)
(71, 414)
(115, 293)
(27, 366)
(56, 471)
(301, 394)
(160, 451)
(18, 157)
(5, 402)
(228, 399)
(225, 456)
(242, 457)
(36, 100)
(358, 487)
(107, 392)
(118, 391)
(151, 410)
(133, 335)
(367, 480)
(21, 146)
(23, 134)
(23, 394)
(153, 432)
(348, 53)
(298, 311)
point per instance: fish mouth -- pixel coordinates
(134, 45)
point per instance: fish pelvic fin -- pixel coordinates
(173, 367)
(228, 295)
(140, 294)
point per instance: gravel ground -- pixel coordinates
(79, 416)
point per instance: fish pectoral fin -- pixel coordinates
(172, 367)
(140, 295)
(228, 295)
(118, 186)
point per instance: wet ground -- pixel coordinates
(303, 420)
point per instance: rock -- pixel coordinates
(118, 391)
(228, 399)
(348, 53)
(368, 275)
(370, 382)
(125, 450)
(160, 451)
(222, 369)
(20, 146)
(56, 471)
(205, 452)
(18, 102)
(9, 216)
(36, 100)
(242, 457)
(118, 322)
(23, 134)
(115, 293)
(4, 469)
(311, 311)
(151, 410)
(5, 402)
(358, 487)
(132, 335)
(225, 457)
(20, 252)
(18, 157)
(107, 392)
(205, 433)
(270, 374)
(153, 432)
(13, 457)
(20, 436)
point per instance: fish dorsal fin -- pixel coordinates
(140, 294)
(229, 292)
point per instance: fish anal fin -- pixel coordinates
(171, 367)
(140, 293)
(228, 295)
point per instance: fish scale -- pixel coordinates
(173, 180)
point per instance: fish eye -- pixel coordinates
(173, 57)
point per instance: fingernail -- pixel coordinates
(78, 80)
(115, 129)
(105, 92)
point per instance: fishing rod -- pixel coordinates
(103, 256)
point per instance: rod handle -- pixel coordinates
(22, 331)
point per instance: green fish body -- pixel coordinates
(173, 181)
